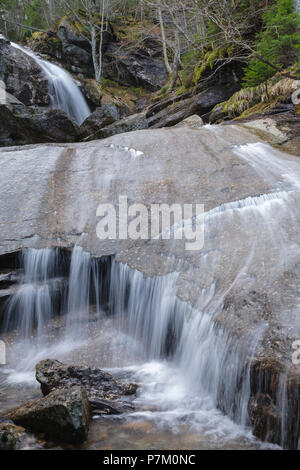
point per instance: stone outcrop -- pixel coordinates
(22, 76)
(173, 110)
(131, 123)
(125, 63)
(63, 414)
(135, 66)
(104, 392)
(194, 122)
(21, 125)
(100, 118)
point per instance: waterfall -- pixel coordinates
(214, 364)
(32, 306)
(63, 91)
(195, 359)
(78, 294)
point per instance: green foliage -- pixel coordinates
(278, 43)
(33, 17)
(210, 59)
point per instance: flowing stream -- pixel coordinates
(63, 91)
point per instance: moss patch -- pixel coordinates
(259, 99)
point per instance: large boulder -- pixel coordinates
(92, 92)
(52, 374)
(22, 76)
(63, 415)
(22, 125)
(193, 122)
(101, 117)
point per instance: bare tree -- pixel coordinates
(91, 20)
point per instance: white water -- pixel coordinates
(193, 375)
(180, 362)
(186, 369)
(63, 91)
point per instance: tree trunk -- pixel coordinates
(164, 43)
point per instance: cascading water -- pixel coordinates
(64, 93)
(32, 305)
(194, 375)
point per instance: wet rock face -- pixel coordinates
(265, 418)
(11, 436)
(274, 405)
(52, 374)
(23, 77)
(63, 415)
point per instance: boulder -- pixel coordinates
(63, 415)
(11, 436)
(92, 92)
(279, 129)
(134, 122)
(193, 121)
(22, 125)
(217, 115)
(22, 76)
(77, 58)
(52, 374)
(100, 118)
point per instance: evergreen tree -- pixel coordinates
(278, 43)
